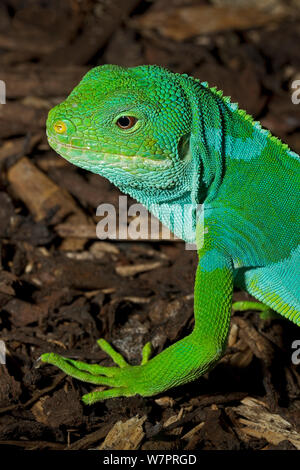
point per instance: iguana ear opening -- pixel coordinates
(184, 152)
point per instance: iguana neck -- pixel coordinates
(172, 201)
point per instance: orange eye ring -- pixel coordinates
(60, 127)
(126, 122)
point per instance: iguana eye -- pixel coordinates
(126, 122)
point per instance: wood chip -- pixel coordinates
(260, 423)
(137, 300)
(104, 247)
(40, 194)
(193, 431)
(23, 313)
(241, 357)
(90, 231)
(125, 435)
(187, 21)
(165, 402)
(261, 347)
(233, 334)
(131, 270)
(90, 439)
(170, 424)
(173, 419)
(39, 412)
(45, 199)
(62, 408)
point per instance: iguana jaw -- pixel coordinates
(132, 164)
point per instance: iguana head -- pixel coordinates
(131, 126)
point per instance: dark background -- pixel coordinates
(61, 288)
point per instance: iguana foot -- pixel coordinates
(266, 313)
(123, 379)
(180, 363)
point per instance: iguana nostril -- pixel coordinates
(60, 127)
(63, 127)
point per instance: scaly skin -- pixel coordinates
(166, 138)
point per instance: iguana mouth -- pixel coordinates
(73, 152)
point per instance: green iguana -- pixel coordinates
(167, 138)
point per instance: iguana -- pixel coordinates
(167, 138)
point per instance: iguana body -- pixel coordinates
(166, 138)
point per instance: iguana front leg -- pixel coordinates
(182, 362)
